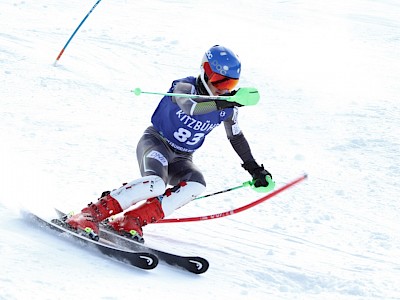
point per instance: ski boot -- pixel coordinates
(131, 222)
(89, 218)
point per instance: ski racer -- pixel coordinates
(165, 151)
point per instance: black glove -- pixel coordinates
(257, 172)
(221, 104)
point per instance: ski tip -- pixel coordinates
(198, 265)
(147, 261)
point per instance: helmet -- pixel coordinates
(221, 67)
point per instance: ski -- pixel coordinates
(141, 259)
(193, 264)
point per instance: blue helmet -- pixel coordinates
(221, 66)
(223, 61)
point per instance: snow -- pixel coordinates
(328, 73)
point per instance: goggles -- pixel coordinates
(219, 81)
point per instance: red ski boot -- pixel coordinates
(130, 223)
(88, 219)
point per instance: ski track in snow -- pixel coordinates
(328, 76)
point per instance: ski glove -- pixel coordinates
(221, 104)
(262, 179)
(257, 172)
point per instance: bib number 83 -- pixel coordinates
(185, 136)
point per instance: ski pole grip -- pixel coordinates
(264, 189)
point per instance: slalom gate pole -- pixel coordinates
(237, 210)
(73, 34)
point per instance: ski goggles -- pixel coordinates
(219, 81)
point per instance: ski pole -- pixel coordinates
(243, 96)
(237, 210)
(244, 184)
(73, 34)
(138, 92)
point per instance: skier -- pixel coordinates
(165, 151)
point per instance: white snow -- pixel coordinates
(328, 73)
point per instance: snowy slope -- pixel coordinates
(328, 74)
